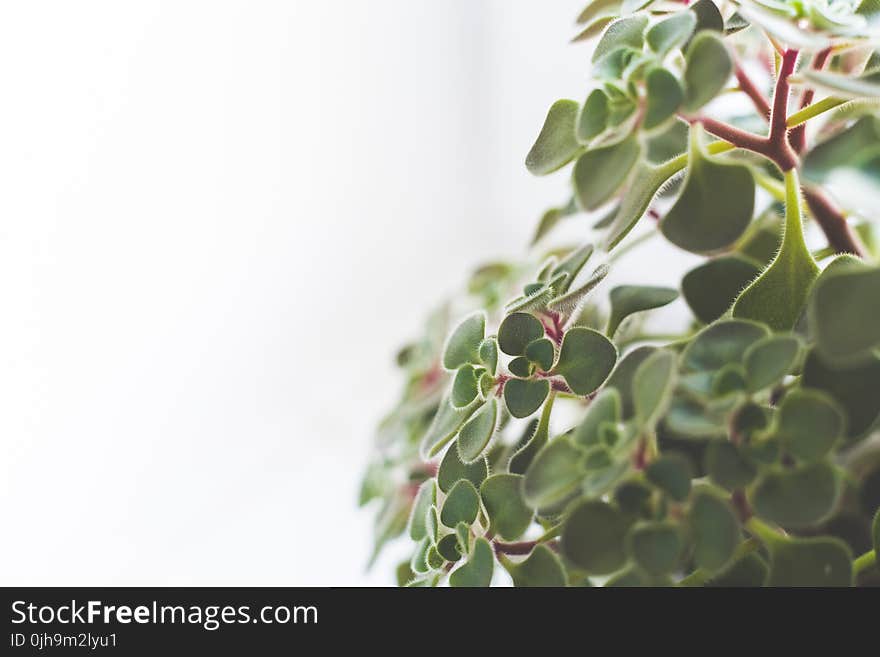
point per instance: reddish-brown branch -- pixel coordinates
(779, 113)
(759, 100)
(521, 547)
(833, 223)
(777, 151)
(798, 136)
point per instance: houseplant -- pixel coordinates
(542, 432)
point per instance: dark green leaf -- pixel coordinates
(707, 15)
(627, 32)
(476, 433)
(464, 386)
(520, 366)
(716, 203)
(621, 378)
(711, 288)
(524, 397)
(554, 474)
(541, 352)
(854, 388)
(664, 94)
(477, 571)
(653, 384)
(770, 359)
(541, 568)
(463, 344)
(516, 331)
(655, 546)
(671, 32)
(448, 548)
(488, 353)
(593, 117)
(502, 495)
(707, 68)
(557, 144)
(714, 530)
(810, 422)
(749, 571)
(425, 499)
(728, 465)
(721, 343)
(798, 497)
(452, 470)
(586, 358)
(629, 299)
(600, 172)
(814, 562)
(445, 425)
(671, 473)
(462, 504)
(604, 410)
(594, 536)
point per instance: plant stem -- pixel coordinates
(700, 576)
(833, 222)
(751, 90)
(812, 111)
(864, 562)
(763, 532)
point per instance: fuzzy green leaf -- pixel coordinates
(798, 497)
(463, 345)
(707, 68)
(477, 571)
(488, 353)
(525, 397)
(452, 470)
(653, 384)
(586, 358)
(557, 144)
(728, 465)
(711, 288)
(425, 499)
(518, 330)
(593, 118)
(854, 388)
(655, 546)
(554, 474)
(462, 504)
(809, 423)
(672, 474)
(445, 424)
(664, 94)
(509, 515)
(629, 299)
(600, 172)
(814, 562)
(465, 386)
(542, 568)
(770, 359)
(672, 32)
(714, 530)
(594, 537)
(604, 410)
(624, 32)
(476, 433)
(541, 352)
(621, 378)
(723, 342)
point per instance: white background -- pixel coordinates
(217, 222)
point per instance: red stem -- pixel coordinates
(751, 90)
(833, 223)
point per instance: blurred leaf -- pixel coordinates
(502, 495)
(714, 530)
(707, 68)
(477, 571)
(653, 384)
(464, 387)
(711, 288)
(716, 202)
(569, 302)
(445, 425)
(728, 465)
(462, 504)
(557, 144)
(419, 562)
(655, 546)
(842, 86)
(554, 474)
(488, 353)
(425, 498)
(672, 474)
(748, 571)
(593, 118)
(854, 388)
(586, 358)
(476, 433)
(815, 562)
(603, 410)
(767, 361)
(600, 172)
(516, 331)
(723, 342)
(463, 344)
(707, 15)
(594, 536)
(810, 423)
(628, 31)
(672, 32)
(542, 568)
(664, 96)
(799, 497)
(629, 299)
(789, 32)
(524, 397)
(448, 548)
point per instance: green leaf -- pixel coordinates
(557, 144)
(593, 118)
(770, 359)
(668, 143)
(621, 378)
(672, 32)
(464, 387)
(646, 181)
(542, 568)
(672, 474)
(488, 353)
(844, 315)
(810, 422)
(688, 418)
(784, 29)
(851, 156)
(653, 384)
(502, 495)
(445, 425)
(516, 331)
(629, 299)
(594, 536)
(477, 571)
(628, 32)
(569, 302)
(711, 288)
(707, 68)
(728, 465)
(655, 546)
(524, 397)
(749, 571)
(603, 411)
(799, 497)
(716, 202)
(448, 548)
(572, 265)
(664, 94)
(452, 470)
(854, 388)
(600, 172)
(815, 562)
(875, 533)
(476, 433)
(554, 474)
(778, 296)
(426, 497)
(707, 15)
(730, 379)
(714, 530)
(586, 358)
(462, 504)
(419, 562)
(463, 345)
(541, 352)
(520, 366)
(539, 432)
(723, 342)
(842, 86)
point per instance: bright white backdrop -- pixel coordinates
(217, 221)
